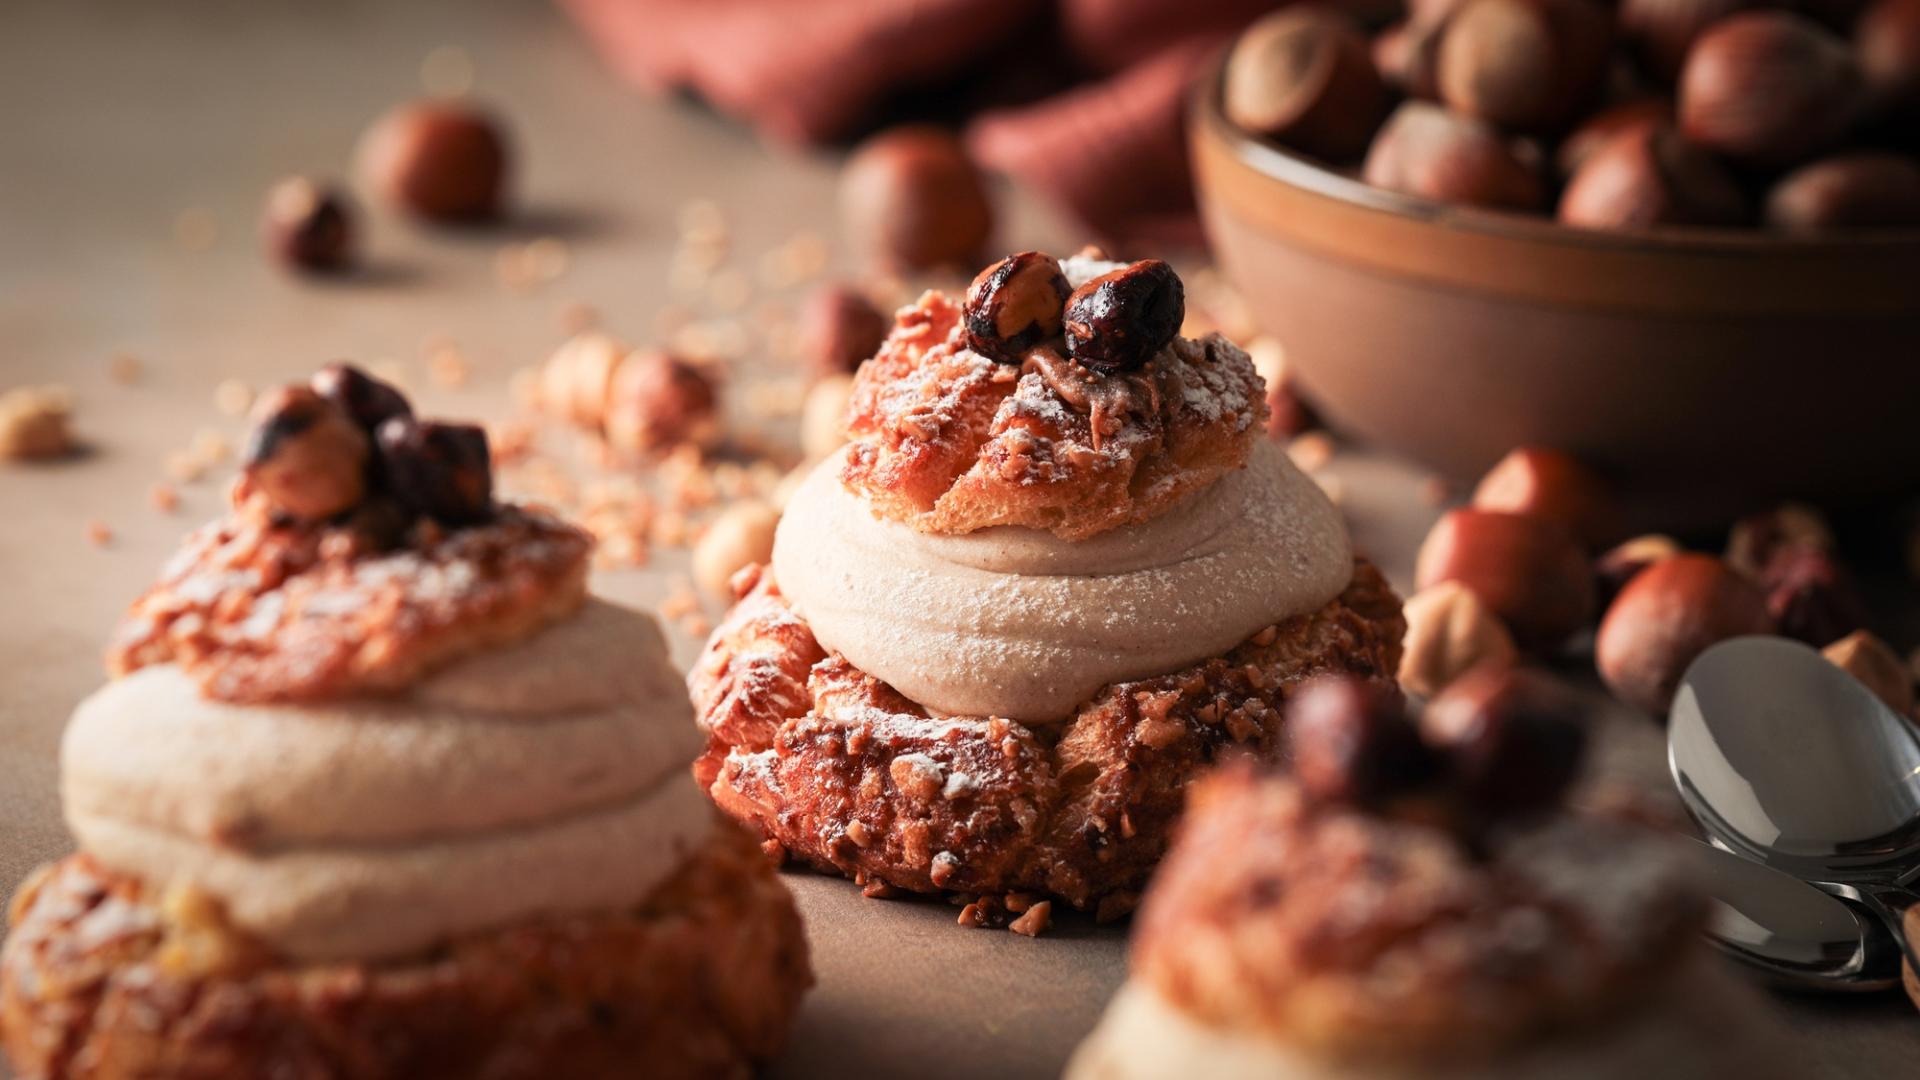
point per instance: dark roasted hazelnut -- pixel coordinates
(366, 399)
(657, 402)
(306, 457)
(1303, 76)
(1119, 320)
(439, 160)
(1768, 88)
(1352, 741)
(1668, 615)
(1015, 304)
(1529, 570)
(1512, 739)
(1755, 539)
(1553, 485)
(440, 470)
(306, 226)
(1810, 596)
(838, 330)
(1620, 563)
(1647, 177)
(1863, 190)
(913, 198)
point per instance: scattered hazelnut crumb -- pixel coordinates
(99, 533)
(880, 890)
(447, 366)
(1034, 921)
(210, 446)
(125, 369)
(232, 397)
(34, 423)
(164, 498)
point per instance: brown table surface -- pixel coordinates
(117, 118)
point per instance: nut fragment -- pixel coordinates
(1513, 740)
(307, 457)
(1529, 571)
(838, 330)
(1768, 88)
(1877, 666)
(1668, 615)
(1304, 76)
(1450, 632)
(1863, 190)
(366, 399)
(441, 470)
(34, 424)
(1015, 304)
(823, 417)
(440, 160)
(307, 226)
(1649, 176)
(740, 537)
(1351, 741)
(1425, 150)
(912, 197)
(1553, 485)
(1119, 320)
(657, 401)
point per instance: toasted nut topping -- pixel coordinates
(1119, 320)
(1015, 304)
(307, 458)
(441, 470)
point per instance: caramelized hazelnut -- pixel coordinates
(1450, 632)
(1862, 190)
(1668, 615)
(1877, 666)
(1512, 740)
(306, 457)
(1649, 177)
(913, 198)
(1303, 76)
(440, 470)
(1810, 597)
(657, 402)
(839, 329)
(1768, 88)
(1119, 320)
(1525, 65)
(1618, 566)
(740, 537)
(1015, 304)
(1351, 741)
(366, 399)
(1603, 126)
(1553, 485)
(1425, 150)
(306, 226)
(439, 160)
(1530, 571)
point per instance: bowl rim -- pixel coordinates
(1307, 174)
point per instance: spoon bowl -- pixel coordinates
(1793, 934)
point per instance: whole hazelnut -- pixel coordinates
(306, 456)
(1810, 596)
(823, 416)
(1425, 150)
(1407, 56)
(912, 197)
(1449, 632)
(1768, 88)
(439, 160)
(1351, 741)
(657, 402)
(740, 537)
(1877, 666)
(1756, 539)
(1015, 304)
(443, 471)
(1668, 615)
(1862, 190)
(1512, 740)
(839, 329)
(1602, 126)
(577, 380)
(1663, 31)
(34, 424)
(307, 226)
(366, 399)
(1554, 485)
(1524, 65)
(1887, 41)
(1529, 571)
(1304, 77)
(1649, 177)
(1622, 562)
(1119, 320)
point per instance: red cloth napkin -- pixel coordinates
(1084, 100)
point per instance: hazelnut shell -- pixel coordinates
(1668, 615)
(1529, 571)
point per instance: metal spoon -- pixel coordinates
(1791, 762)
(1794, 934)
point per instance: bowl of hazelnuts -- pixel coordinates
(1679, 238)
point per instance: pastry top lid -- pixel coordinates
(363, 548)
(1056, 396)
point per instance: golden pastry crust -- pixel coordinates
(1357, 936)
(949, 441)
(259, 610)
(839, 770)
(102, 978)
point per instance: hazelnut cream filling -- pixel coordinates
(1018, 623)
(545, 778)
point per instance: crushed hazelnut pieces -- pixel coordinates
(34, 424)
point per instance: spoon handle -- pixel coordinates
(1890, 904)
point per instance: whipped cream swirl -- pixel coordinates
(1018, 623)
(543, 778)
